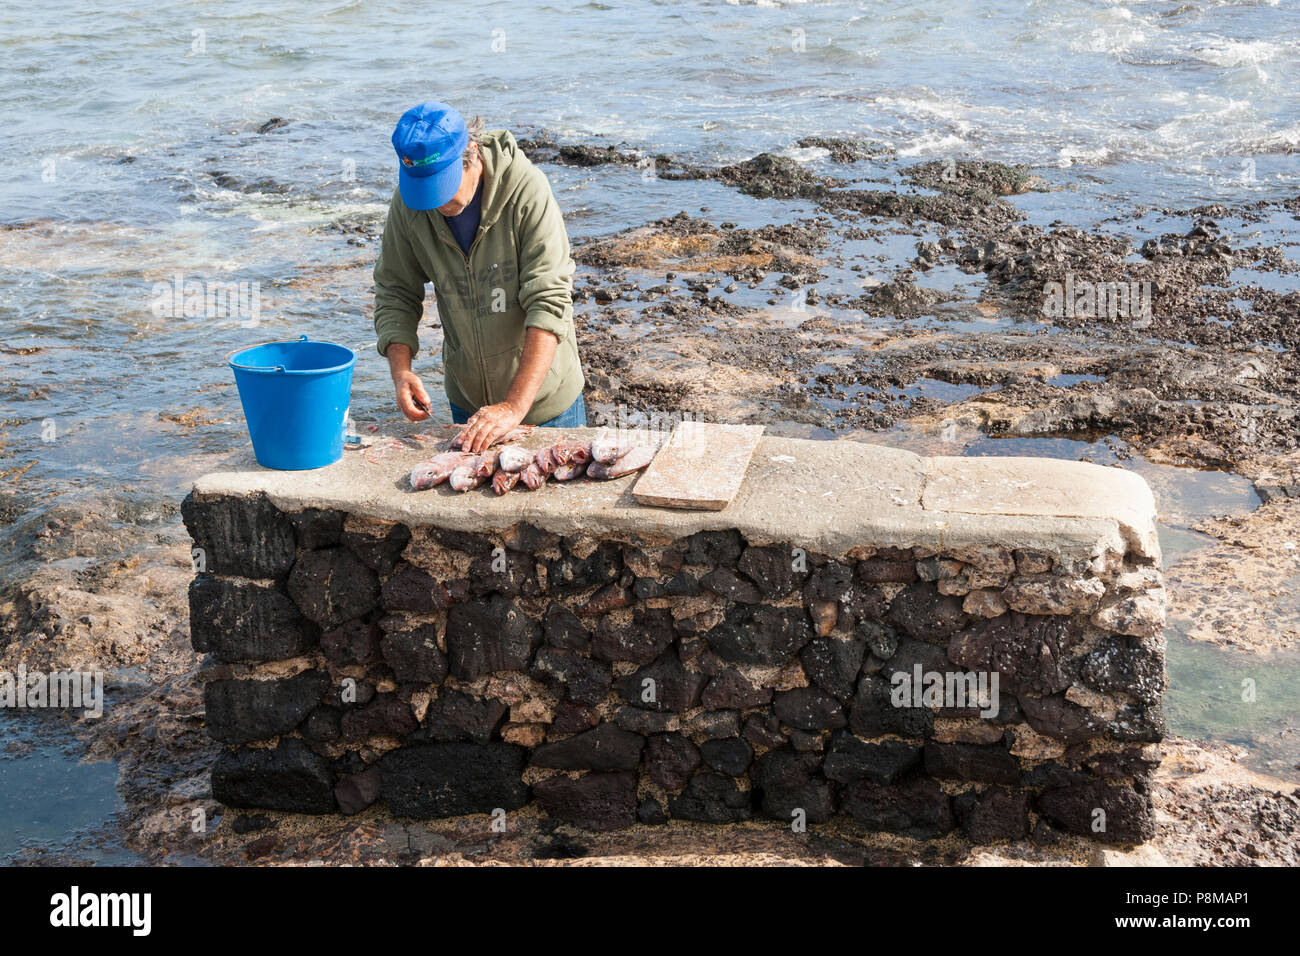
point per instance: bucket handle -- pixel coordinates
(257, 368)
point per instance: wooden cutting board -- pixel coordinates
(701, 466)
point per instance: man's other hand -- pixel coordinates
(488, 424)
(412, 399)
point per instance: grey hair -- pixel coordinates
(476, 128)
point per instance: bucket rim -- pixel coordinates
(280, 369)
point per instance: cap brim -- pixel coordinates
(429, 192)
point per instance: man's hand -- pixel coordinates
(412, 399)
(488, 424)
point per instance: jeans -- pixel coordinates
(575, 416)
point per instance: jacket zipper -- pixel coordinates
(469, 281)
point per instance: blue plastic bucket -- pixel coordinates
(295, 397)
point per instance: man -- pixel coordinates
(475, 217)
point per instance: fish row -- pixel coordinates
(510, 465)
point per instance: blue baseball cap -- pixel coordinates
(429, 140)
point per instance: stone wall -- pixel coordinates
(453, 654)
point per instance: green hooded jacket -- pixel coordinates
(517, 275)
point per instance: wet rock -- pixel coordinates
(289, 778)
(385, 716)
(713, 548)
(852, 759)
(584, 680)
(411, 589)
(380, 553)
(833, 664)
(773, 570)
(984, 763)
(730, 690)
(594, 801)
(670, 760)
(512, 573)
(451, 779)
(664, 685)
(760, 634)
(355, 642)
(605, 747)
(788, 783)
(725, 583)
(563, 630)
(993, 815)
(457, 717)
(1031, 653)
(240, 711)
(357, 791)
(413, 654)
(920, 611)
(332, 586)
(317, 527)
(873, 713)
(489, 635)
(640, 642)
(240, 621)
(568, 575)
(1125, 816)
(809, 708)
(711, 798)
(249, 537)
(730, 755)
(916, 808)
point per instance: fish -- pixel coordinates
(465, 477)
(514, 435)
(503, 481)
(533, 476)
(569, 471)
(514, 458)
(436, 470)
(608, 450)
(564, 452)
(634, 459)
(487, 463)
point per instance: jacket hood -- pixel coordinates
(506, 171)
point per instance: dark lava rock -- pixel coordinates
(1130, 665)
(1057, 717)
(731, 755)
(994, 815)
(711, 798)
(725, 583)
(567, 575)
(451, 779)
(611, 597)
(916, 808)
(920, 611)
(289, 778)
(729, 689)
(651, 812)
(712, 548)
(788, 783)
(605, 747)
(239, 711)
(526, 537)
(385, 716)
(852, 759)
(457, 717)
(886, 569)
(414, 656)
(642, 722)
(563, 629)
(489, 635)
(1030, 653)
(411, 589)
(356, 642)
(318, 527)
(584, 680)
(1137, 723)
(772, 569)
(670, 760)
(357, 791)
(467, 542)
(571, 718)
(833, 663)
(832, 582)
(984, 763)
(323, 725)
(594, 801)
(760, 634)
(713, 724)
(511, 573)
(763, 732)
(809, 708)
(882, 640)
(873, 713)
(332, 586)
(240, 621)
(640, 642)
(1125, 817)
(379, 553)
(249, 537)
(664, 685)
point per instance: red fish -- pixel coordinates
(437, 469)
(503, 481)
(633, 460)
